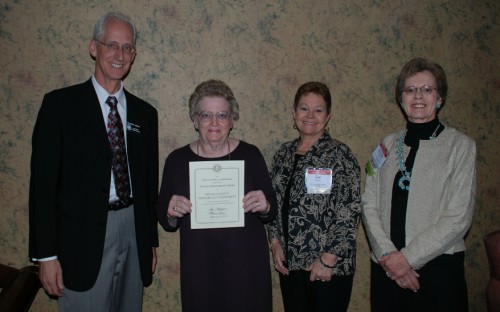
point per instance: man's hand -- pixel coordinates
(51, 277)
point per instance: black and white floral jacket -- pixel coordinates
(318, 223)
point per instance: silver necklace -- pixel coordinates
(404, 181)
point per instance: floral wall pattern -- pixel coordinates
(264, 50)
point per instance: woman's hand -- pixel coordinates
(320, 272)
(278, 256)
(409, 281)
(178, 207)
(395, 265)
(255, 201)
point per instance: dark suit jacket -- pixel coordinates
(70, 181)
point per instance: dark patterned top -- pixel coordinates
(318, 223)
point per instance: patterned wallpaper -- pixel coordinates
(264, 50)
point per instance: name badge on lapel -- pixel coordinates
(379, 156)
(133, 127)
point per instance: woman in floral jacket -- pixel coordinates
(317, 184)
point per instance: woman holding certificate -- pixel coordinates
(224, 253)
(317, 183)
(419, 201)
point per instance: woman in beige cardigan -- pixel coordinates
(418, 202)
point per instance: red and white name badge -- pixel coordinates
(318, 180)
(379, 156)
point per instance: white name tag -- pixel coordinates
(318, 180)
(379, 156)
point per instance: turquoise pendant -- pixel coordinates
(404, 182)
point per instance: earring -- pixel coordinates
(295, 126)
(438, 105)
(327, 129)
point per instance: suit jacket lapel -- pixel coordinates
(89, 105)
(133, 128)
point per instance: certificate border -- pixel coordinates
(194, 166)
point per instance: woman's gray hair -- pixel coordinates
(101, 22)
(215, 88)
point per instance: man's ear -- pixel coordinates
(93, 48)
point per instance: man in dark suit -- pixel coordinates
(94, 183)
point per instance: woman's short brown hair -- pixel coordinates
(315, 87)
(418, 65)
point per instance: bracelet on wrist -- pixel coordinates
(326, 265)
(271, 241)
(268, 209)
(387, 253)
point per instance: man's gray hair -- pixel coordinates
(99, 25)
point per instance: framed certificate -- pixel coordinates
(216, 192)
